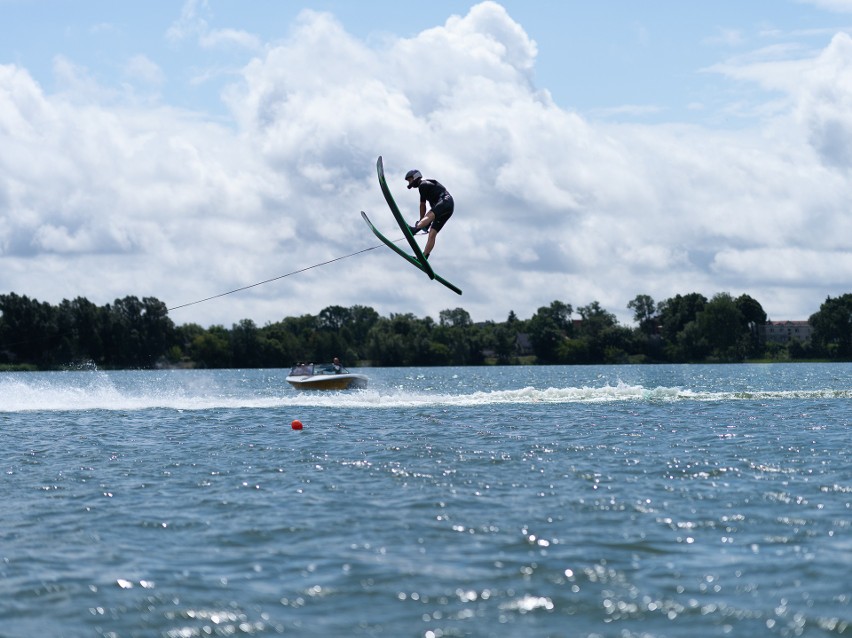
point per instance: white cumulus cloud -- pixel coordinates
(103, 197)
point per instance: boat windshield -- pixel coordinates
(310, 369)
(328, 368)
(302, 369)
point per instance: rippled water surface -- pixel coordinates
(546, 501)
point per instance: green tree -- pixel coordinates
(674, 315)
(755, 318)
(386, 346)
(212, 348)
(158, 331)
(82, 322)
(334, 318)
(598, 330)
(280, 348)
(28, 330)
(184, 336)
(560, 313)
(457, 318)
(595, 319)
(546, 330)
(504, 342)
(302, 328)
(723, 328)
(327, 344)
(122, 336)
(644, 310)
(691, 343)
(137, 334)
(245, 343)
(832, 325)
(362, 319)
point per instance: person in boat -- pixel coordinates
(335, 363)
(441, 207)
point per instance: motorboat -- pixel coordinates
(324, 376)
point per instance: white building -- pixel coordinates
(785, 331)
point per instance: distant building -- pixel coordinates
(523, 344)
(786, 331)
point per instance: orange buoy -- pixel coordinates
(296, 425)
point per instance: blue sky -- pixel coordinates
(596, 151)
(645, 59)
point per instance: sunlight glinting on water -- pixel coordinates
(671, 500)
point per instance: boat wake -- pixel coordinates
(101, 393)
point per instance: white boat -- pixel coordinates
(324, 376)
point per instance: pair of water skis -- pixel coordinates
(418, 259)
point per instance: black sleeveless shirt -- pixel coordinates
(432, 191)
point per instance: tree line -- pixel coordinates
(134, 333)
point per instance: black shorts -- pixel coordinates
(443, 211)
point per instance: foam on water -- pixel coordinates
(101, 391)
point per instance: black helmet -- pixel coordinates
(413, 177)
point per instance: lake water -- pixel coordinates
(628, 501)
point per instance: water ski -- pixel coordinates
(380, 169)
(412, 260)
(418, 259)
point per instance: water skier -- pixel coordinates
(440, 201)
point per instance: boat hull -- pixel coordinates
(328, 382)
